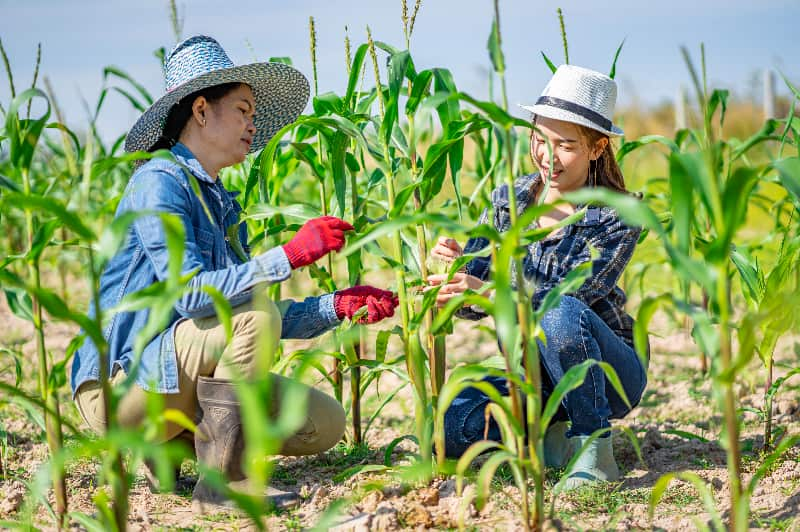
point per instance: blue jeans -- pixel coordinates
(574, 333)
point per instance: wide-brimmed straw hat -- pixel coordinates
(280, 91)
(581, 96)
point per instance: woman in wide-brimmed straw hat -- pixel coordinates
(570, 145)
(212, 115)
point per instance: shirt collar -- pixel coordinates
(187, 158)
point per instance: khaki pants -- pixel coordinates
(202, 351)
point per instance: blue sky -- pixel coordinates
(80, 37)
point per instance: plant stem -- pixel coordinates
(360, 347)
(768, 406)
(738, 521)
(118, 480)
(400, 277)
(52, 421)
(530, 356)
(435, 345)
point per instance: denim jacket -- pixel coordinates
(548, 261)
(161, 185)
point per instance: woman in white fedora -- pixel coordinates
(212, 115)
(573, 115)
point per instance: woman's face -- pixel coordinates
(229, 125)
(567, 166)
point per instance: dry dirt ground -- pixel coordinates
(678, 404)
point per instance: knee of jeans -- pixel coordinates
(562, 324)
(464, 422)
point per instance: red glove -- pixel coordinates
(380, 303)
(315, 239)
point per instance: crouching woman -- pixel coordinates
(212, 116)
(573, 117)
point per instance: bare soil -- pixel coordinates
(677, 426)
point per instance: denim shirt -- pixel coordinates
(549, 260)
(161, 185)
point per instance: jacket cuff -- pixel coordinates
(327, 311)
(272, 266)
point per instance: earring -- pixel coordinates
(204, 122)
(594, 173)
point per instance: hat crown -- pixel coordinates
(193, 57)
(584, 87)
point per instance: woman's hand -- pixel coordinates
(457, 286)
(315, 239)
(446, 249)
(380, 303)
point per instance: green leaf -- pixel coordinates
(401, 198)
(764, 134)
(683, 205)
(549, 63)
(486, 475)
(387, 455)
(419, 89)
(24, 134)
(53, 207)
(645, 140)
(494, 112)
(398, 65)
(769, 462)
(789, 175)
(495, 49)
(391, 226)
(223, 310)
(7, 183)
(309, 155)
(42, 238)
(355, 74)
(647, 309)
(297, 211)
(633, 211)
(448, 110)
(686, 435)
(327, 103)
(699, 484)
(719, 98)
(613, 72)
(381, 345)
(571, 380)
(735, 200)
(173, 415)
(111, 71)
(20, 303)
(336, 157)
(752, 276)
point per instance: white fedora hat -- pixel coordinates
(581, 96)
(280, 91)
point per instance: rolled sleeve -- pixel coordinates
(308, 318)
(272, 266)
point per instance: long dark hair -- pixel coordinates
(181, 112)
(606, 169)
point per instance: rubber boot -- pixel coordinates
(558, 449)
(596, 463)
(219, 444)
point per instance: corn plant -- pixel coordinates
(23, 136)
(768, 294)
